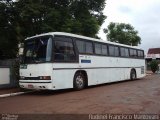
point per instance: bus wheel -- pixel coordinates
(79, 81)
(133, 74)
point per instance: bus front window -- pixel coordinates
(38, 50)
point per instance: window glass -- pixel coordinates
(64, 51)
(49, 50)
(126, 52)
(140, 54)
(104, 49)
(98, 48)
(122, 50)
(84, 46)
(116, 51)
(133, 53)
(143, 54)
(89, 47)
(38, 49)
(80, 46)
(111, 50)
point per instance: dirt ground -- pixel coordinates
(9, 90)
(128, 97)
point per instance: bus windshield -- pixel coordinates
(37, 50)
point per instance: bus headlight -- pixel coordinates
(45, 77)
(22, 77)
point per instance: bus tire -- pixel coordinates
(79, 81)
(133, 74)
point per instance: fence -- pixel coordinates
(9, 72)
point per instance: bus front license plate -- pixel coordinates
(30, 86)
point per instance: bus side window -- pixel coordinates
(111, 50)
(133, 53)
(116, 51)
(64, 51)
(98, 48)
(85, 47)
(89, 47)
(124, 52)
(104, 50)
(140, 54)
(81, 46)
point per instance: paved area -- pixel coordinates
(138, 96)
(9, 90)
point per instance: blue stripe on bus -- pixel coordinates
(85, 61)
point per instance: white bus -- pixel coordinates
(60, 60)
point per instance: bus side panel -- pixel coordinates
(99, 70)
(63, 75)
(111, 69)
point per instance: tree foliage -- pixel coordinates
(154, 66)
(24, 18)
(122, 33)
(8, 40)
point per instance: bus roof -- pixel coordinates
(82, 37)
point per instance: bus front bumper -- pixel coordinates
(42, 85)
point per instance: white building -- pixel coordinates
(153, 53)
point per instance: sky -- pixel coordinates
(143, 15)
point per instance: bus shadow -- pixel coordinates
(113, 83)
(50, 92)
(65, 91)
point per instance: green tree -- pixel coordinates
(8, 39)
(82, 17)
(122, 33)
(154, 66)
(23, 18)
